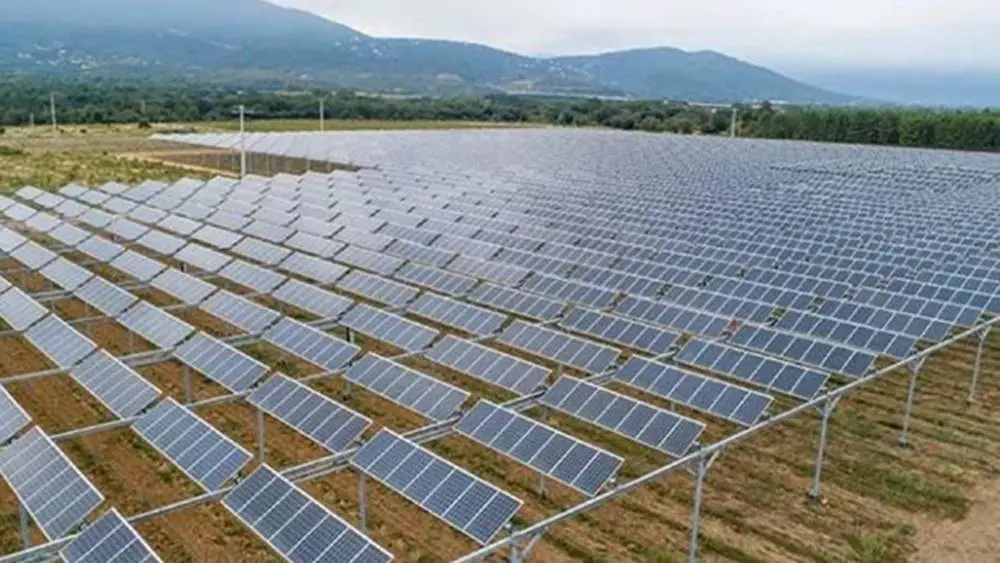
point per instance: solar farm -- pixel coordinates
(544, 345)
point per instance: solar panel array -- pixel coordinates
(737, 295)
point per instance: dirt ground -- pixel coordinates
(882, 503)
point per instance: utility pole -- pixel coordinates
(52, 105)
(732, 125)
(322, 114)
(243, 143)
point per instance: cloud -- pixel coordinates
(789, 33)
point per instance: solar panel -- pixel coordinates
(13, 418)
(378, 289)
(666, 314)
(517, 302)
(552, 453)
(180, 225)
(254, 277)
(71, 209)
(766, 372)
(896, 346)
(105, 296)
(65, 274)
(4, 284)
(315, 245)
(19, 212)
(260, 251)
(415, 252)
(221, 363)
(43, 222)
(368, 260)
(488, 365)
(558, 347)
(684, 387)
(228, 220)
(204, 454)
(296, 526)
(402, 333)
(18, 310)
(148, 215)
(161, 242)
(183, 287)
(33, 255)
(310, 344)
(9, 240)
(454, 314)
(329, 424)
(503, 274)
(312, 268)
(59, 341)
(28, 192)
(319, 302)
(138, 266)
(833, 357)
(202, 258)
(439, 280)
(68, 234)
(161, 329)
(470, 505)
(622, 331)
(47, 484)
(126, 229)
(219, 238)
(108, 539)
(654, 427)
(268, 231)
(573, 292)
(420, 393)
(100, 249)
(121, 390)
(96, 218)
(239, 312)
(93, 197)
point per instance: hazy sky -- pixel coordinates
(789, 33)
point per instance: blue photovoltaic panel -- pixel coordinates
(264, 252)
(418, 392)
(310, 344)
(470, 505)
(558, 347)
(33, 255)
(378, 289)
(311, 299)
(517, 302)
(626, 332)
(657, 428)
(736, 404)
(254, 277)
(203, 453)
(161, 329)
(47, 484)
(329, 424)
(441, 281)
(12, 417)
(316, 269)
(458, 315)
(221, 363)
(59, 342)
(18, 310)
(100, 248)
(203, 258)
(137, 266)
(572, 462)
(376, 323)
(674, 316)
(488, 365)
(379, 263)
(239, 312)
(123, 391)
(183, 287)
(110, 539)
(296, 526)
(105, 296)
(161, 242)
(769, 373)
(829, 356)
(65, 274)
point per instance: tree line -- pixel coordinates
(24, 99)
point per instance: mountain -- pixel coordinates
(253, 41)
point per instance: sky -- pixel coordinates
(955, 34)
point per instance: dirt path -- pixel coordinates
(976, 539)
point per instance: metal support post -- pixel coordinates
(363, 501)
(701, 471)
(825, 411)
(187, 384)
(981, 335)
(25, 525)
(914, 368)
(520, 554)
(261, 437)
